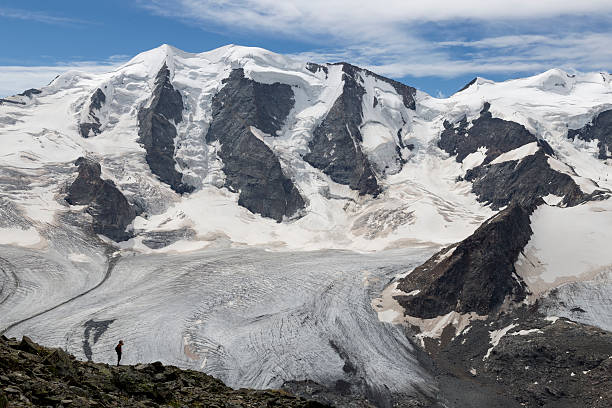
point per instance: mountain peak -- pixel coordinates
(476, 81)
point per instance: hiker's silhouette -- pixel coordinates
(118, 350)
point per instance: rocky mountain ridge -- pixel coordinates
(299, 142)
(33, 375)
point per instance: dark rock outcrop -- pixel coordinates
(109, 208)
(92, 127)
(30, 92)
(28, 345)
(523, 181)
(569, 366)
(314, 68)
(475, 275)
(161, 239)
(336, 144)
(250, 166)
(497, 135)
(599, 129)
(341, 395)
(157, 131)
(406, 92)
(466, 86)
(265, 106)
(563, 364)
(15, 100)
(11, 102)
(52, 377)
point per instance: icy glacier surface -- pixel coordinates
(250, 317)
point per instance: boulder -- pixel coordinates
(28, 345)
(60, 362)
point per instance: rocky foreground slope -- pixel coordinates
(519, 359)
(32, 375)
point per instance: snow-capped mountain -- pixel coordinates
(178, 199)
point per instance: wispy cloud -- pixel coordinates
(15, 79)
(346, 16)
(495, 55)
(39, 16)
(432, 38)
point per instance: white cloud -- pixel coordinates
(496, 55)
(402, 37)
(353, 22)
(39, 16)
(349, 14)
(16, 79)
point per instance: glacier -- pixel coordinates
(250, 317)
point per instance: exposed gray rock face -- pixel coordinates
(30, 92)
(157, 131)
(537, 363)
(599, 129)
(161, 239)
(497, 135)
(407, 92)
(475, 275)
(552, 356)
(109, 208)
(12, 102)
(15, 100)
(250, 166)
(466, 86)
(92, 128)
(314, 68)
(336, 144)
(523, 181)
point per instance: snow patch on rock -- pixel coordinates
(495, 336)
(517, 154)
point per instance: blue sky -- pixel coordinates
(436, 46)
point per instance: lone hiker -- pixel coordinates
(118, 350)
